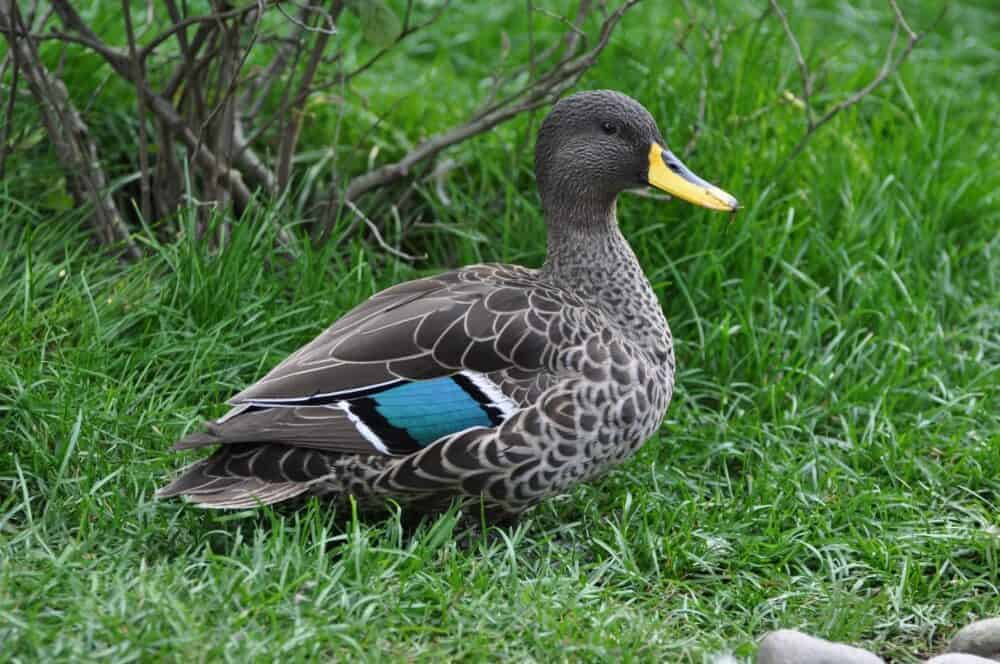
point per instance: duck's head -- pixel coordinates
(593, 145)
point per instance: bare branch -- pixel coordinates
(8, 124)
(69, 134)
(220, 121)
(911, 35)
(893, 61)
(189, 51)
(180, 26)
(211, 104)
(224, 118)
(331, 20)
(290, 136)
(534, 94)
(807, 79)
(162, 107)
(247, 160)
(276, 67)
(373, 227)
(33, 15)
(574, 29)
(583, 10)
(138, 77)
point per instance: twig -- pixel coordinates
(714, 38)
(533, 95)
(807, 80)
(333, 206)
(331, 19)
(276, 67)
(137, 77)
(8, 123)
(440, 175)
(210, 104)
(891, 65)
(290, 136)
(179, 27)
(574, 29)
(170, 176)
(373, 227)
(69, 134)
(583, 11)
(531, 38)
(221, 119)
(576, 35)
(33, 14)
(227, 144)
(288, 101)
(204, 157)
(570, 45)
(189, 50)
(247, 160)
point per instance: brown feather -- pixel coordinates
(423, 328)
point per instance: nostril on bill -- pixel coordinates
(671, 163)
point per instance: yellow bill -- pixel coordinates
(668, 173)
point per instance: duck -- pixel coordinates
(491, 385)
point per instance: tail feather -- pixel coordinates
(248, 493)
(199, 439)
(200, 485)
(195, 479)
(242, 475)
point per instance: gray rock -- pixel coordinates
(959, 658)
(723, 658)
(786, 646)
(980, 638)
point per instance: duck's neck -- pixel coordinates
(588, 255)
(583, 238)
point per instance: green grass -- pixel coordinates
(831, 461)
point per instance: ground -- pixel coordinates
(830, 462)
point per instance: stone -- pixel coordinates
(979, 638)
(723, 658)
(787, 646)
(960, 658)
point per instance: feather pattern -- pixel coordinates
(420, 330)
(493, 359)
(492, 383)
(412, 415)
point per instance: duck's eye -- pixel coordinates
(609, 128)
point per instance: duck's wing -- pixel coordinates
(475, 319)
(403, 369)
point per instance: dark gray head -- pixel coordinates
(595, 144)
